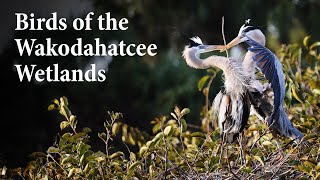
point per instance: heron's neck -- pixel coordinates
(249, 69)
(192, 57)
(235, 80)
(249, 64)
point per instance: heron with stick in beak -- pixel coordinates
(242, 89)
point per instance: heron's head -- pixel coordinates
(196, 44)
(245, 32)
(252, 32)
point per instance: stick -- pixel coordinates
(224, 39)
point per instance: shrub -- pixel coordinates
(176, 149)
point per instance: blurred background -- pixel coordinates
(142, 88)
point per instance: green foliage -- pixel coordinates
(175, 149)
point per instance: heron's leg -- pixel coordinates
(222, 147)
(242, 158)
(281, 152)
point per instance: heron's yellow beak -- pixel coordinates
(234, 42)
(209, 48)
(222, 48)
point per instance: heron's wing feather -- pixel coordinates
(271, 67)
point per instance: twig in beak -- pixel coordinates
(224, 39)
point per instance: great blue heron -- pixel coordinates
(231, 105)
(242, 89)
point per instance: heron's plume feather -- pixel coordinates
(196, 39)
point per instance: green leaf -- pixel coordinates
(185, 111)
(64, 101)
(168, 130)
(304, 169)
(102, 136)
(158, 137)
(76, 137)
(53, 150)
(202, 81)
(288, 93)
(156, 128)
(197, 134)
(253, 127)
(86, 130)
(134, 165)
(72, 119)
(174, 116)
(259, 159)
(177, 110)
(314, 45)
(132, 156)
(68, 160)
(296, 94)
(124, 138)
(56, 101)
(125, 130)
(267, 143)
(151, 171)
(132, 136)
(307, 124)
(84, 148)
(246, 170)
(115, 128)
(143, 150)
(184, 124)
(66, 136)
(85, 156)
(64, 124)
(63, 111)
(316, 91)
(306, 41)
(92, 172)
(72, 172)
(100, 159)
(318, 167)
(87, 168)
(309, 164)
(150, 144)
(51, 107)
(38, 155)
(116, 155)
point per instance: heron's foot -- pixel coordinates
(280, 155)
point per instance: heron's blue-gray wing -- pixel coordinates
(271, 67)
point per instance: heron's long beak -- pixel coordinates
(209, 48)
(222, 48)
(234, 42)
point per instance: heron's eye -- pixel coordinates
(201, 46)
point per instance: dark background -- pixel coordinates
(142, 88)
